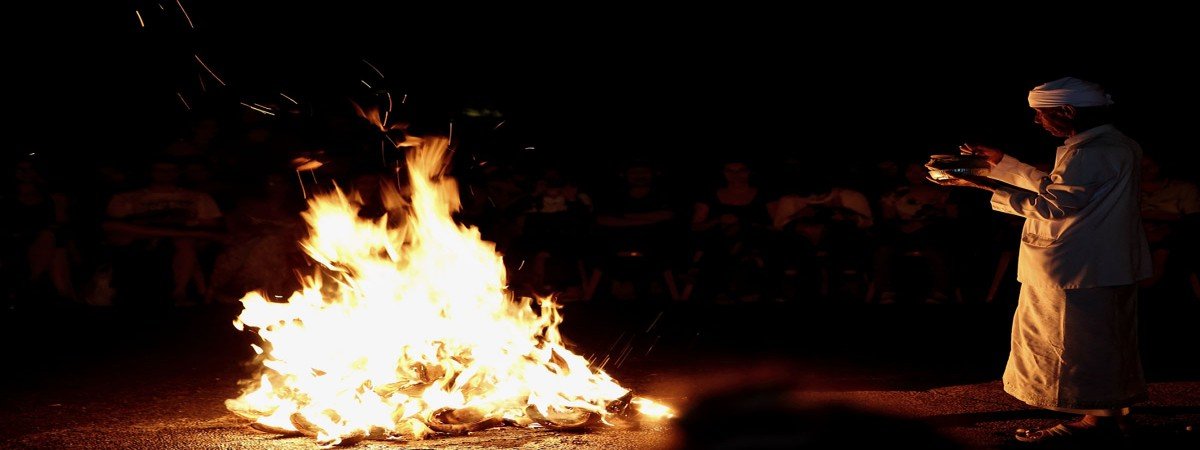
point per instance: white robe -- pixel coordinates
(1074, 340)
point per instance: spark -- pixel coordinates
(389, 110)
(450, 139)
(364, 82)
(614, 344)
(203, 87)
(404, 99)
(652, 344)
(497, 127)
(139, 16)
(185, 15)
(294, 102)
(256, 108)
(303, 193)
(521, 266)
(210, 71)
(655, 322)
(160, 6)
(313, 173)
(372, 66)
(625, 354)
(181, 99)
(264, 107)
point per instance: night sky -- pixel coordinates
(584, 84)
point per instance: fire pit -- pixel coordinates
(407, 329)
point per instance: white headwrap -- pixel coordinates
(1068, 91)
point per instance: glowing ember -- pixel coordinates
(408, 329)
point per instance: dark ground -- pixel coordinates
(121, 379)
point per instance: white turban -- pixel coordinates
(1068, 91)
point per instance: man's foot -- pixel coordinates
(1070, 432)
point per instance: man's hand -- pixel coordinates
(993, 156)
(959, 182)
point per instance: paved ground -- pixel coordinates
(110, 379)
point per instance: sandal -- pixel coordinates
(1062, 433)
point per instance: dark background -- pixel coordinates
(670, 83)
(587, 86)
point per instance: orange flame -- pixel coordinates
(408, 328)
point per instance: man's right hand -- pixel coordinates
(993, 156)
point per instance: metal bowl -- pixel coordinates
(960, 172)
(944, 167)
(958, 161)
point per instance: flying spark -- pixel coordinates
(185, 15)
(372, 66)
(389, 110)
(259, 109)
(303, 193)
(210, 71)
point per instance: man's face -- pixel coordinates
(1056, 120)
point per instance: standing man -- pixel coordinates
(1074, 336)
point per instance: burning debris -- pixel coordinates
(407, 329)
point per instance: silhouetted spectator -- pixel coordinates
(163, 220)
(36, 236)
(637, 235)
(731, 231)
(823, 240)
(264, 231)
(915, 225)
(555, 228)
(1171, 215)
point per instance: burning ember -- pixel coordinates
(407, 329)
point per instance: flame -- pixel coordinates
(407, 328)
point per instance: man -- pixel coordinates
(1074, 338)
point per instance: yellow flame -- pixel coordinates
(652, 409)
(409, 317)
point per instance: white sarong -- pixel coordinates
(1075, 348)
